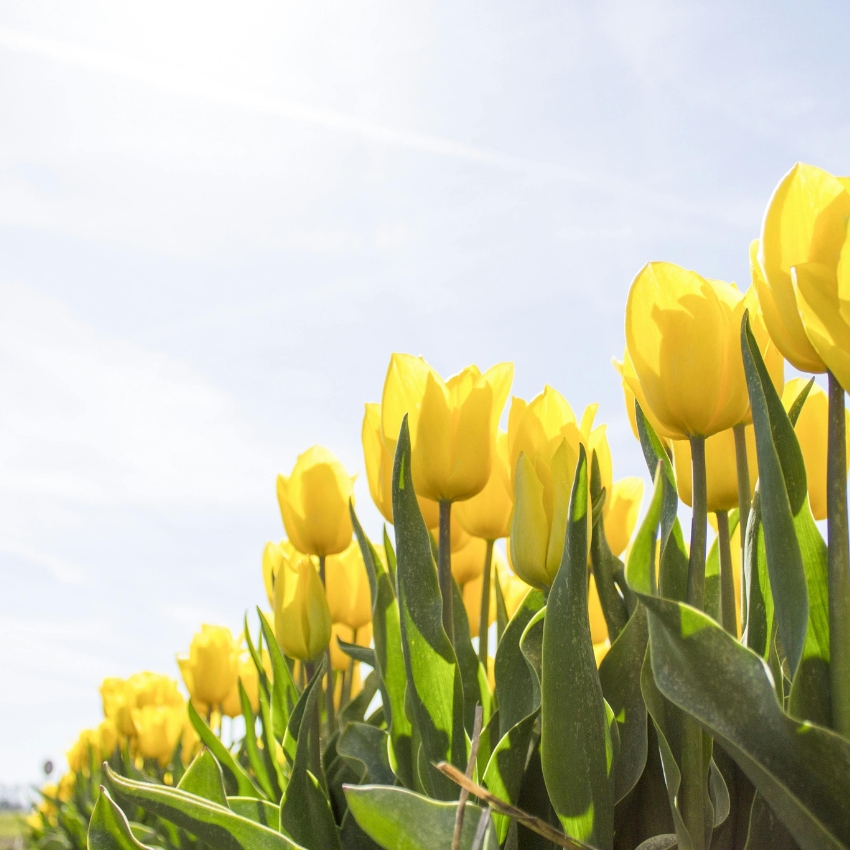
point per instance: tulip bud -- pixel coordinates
(159, 728)
(487, 515)
(623, 504)
(347, 588)
(314, 503)
(209, 670)
(683, 336)
(452, 423)
(302, 619)
(811, 430)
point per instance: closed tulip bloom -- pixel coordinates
(468, 563)
(209, 670)
(804, 228)
(811, 429)
(721, 469)
(275, 555)
(623, 508)
(632, 391)
(347, 587)
(488, 514)
(452, 423)
(683, 336)
(85, 750)
(362, 637)
(314, 503)
(118, 703)
(302, 618)
(247, 673)
(154, 689)
(159, 731)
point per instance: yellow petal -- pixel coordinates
(587, 418)
(772, 356)
(597, 445)
(499, 378)
(529, 528)
(621, 518)
(468, 563)
(472, 445)
(404, 387)
(431, 460)
(379, 464)
(634, 392)
(563, 468)
(488, 514)
(598, 626)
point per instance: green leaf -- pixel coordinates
(575, 746)
(235, 776)
(356, 709)
(390, 553)
(284, 691)
(468, 664)
(266, 777)
(214, 824)
(802, 770)
(619, 675)
(759, 598)
(204, 779)
(365, 654)
(766, 830)
(305, 812)
(782, 477)
(293, 728)
(108, 827)
(435, 689)
(389, 657)
(368, 746)
(259, 811)
(531, 644)
(399, 819)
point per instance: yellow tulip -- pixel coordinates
(721, 469)
(84, 750)
(275, 555)
(67, 784)
(247, 673)
(600, 650)
(302, 618)
(471, 593)
(488, 514)
(811, 429)
(513, 588)
(683, 336)
(804, 229)
(159, 729)
(623, 503)
(347, 588)
(314, 503)
(598, 626)
(107, 738)
(121, 696)
(339, 660)
(632, 391)
(468, 563)
(452, 423)
(209, 670)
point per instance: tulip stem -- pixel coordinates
(330, 720)
(727, 581)
(484, 615)
(699, 525)
(444, 567)
(838, 556)
(744, 504)
(314, 727)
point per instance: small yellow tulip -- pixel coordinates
(803, 230)
(339, 660)
(721, 469)
(85, 749)
(314, 503)
(247, 673)
(683, 336)
(487, 515)
(209, 670)
(811, 429)
(347, 588)
(452, 423)
(620, 519)
(159, 729)
(67, 784)
(471, 592)
(275, 555)
(302, 619)
(468, 563)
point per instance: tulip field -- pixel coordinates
(535, 653)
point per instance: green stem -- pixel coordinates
(314, 727)
(744, 505)
(444, 567)
(727, 580)
(838, 560)
(330, 718)
(348, 677)
(699, 524)
(484, 616)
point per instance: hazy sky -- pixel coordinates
(218, 220)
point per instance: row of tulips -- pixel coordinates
(429, 691)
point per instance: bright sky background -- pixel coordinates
(218, 220)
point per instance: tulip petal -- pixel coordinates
(563, 472)
(379, 464)
(432, 446)
(404, 386)
(500, 378)
(529, 528)
(472, 445)
(621, 519)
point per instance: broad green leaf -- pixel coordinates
(108, 827)
(531, 645)
(284, 691)
(204, 779)
(619, 675)
(356, 709)
(659, 842)
(368, 746)
(365, 654)
(759, 598)
(801, 770)
(782, 477)
(235, 776)
(575, 746)
(390, 553)
(305, 812)
(259, 811)
(386, 630)
(766, 830)
(399, 819)
(217, 826)
(265, 777)
(290, 737)
(434, 680)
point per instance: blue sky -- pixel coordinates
(217, 221)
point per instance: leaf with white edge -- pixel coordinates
(108, 827)
(203, 779)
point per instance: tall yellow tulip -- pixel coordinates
(721, 469)
(811, 433)
(347, 588)
(209, 670)
(487, 515)
(314, 503)
(301, 614)
(623, 509)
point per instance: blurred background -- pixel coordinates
(217, 221)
